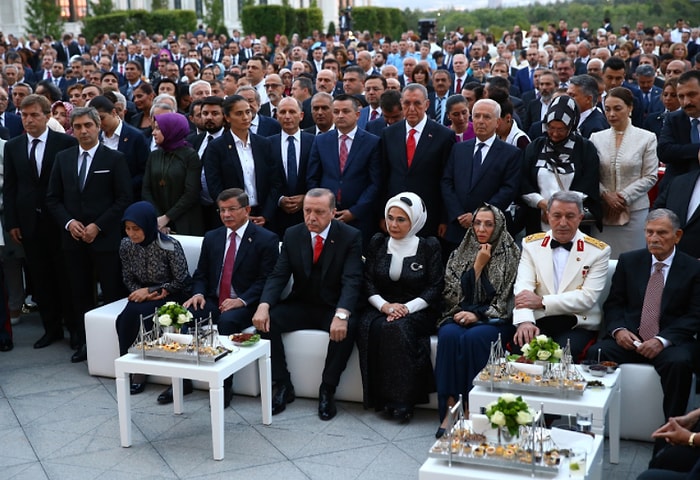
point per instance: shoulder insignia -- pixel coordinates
(595, 242)
(534, 237)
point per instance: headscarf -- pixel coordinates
(415, 210)
(556, 157)
(167, 52)
(500, 270)
(144, 215)
(69, 108)
(175, 129)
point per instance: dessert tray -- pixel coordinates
(202, 346)
(561, 378)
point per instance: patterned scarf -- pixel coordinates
(556, 157)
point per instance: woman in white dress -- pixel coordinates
(628, 170)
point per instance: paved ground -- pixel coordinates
(57, 422)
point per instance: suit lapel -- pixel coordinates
(547, 270)
(355, 149)
(235, 159)
(329, 248)
(245, 246)
(424, 142)
(490, 157)
(683, 212)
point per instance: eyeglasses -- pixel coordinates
(273, 85)
(228, 209)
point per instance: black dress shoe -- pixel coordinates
(167, 395)
(75, 342)
(326, 404)
(138, 383)
(281, 396)
(80, 355)
(403, 413)
(48, 339)
(440, 433)
(6, 344)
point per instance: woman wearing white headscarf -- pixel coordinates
(403, 281)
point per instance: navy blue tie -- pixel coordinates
(694, 134)
(476, 162)
(291, 166)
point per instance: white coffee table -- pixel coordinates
(600, 402)
(437, 469)
(212, 373)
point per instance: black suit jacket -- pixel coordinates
(13, 123)
(675, 149)
(377, 126)
(268, 126)
(425, 174)
(677, 198)
(595, 122)
(680, 302)
(105, 196)
(533, 114)
(25, 192)
(255, 258)
(61, 53)
(341, 267)
(498, 181)
(223, 169)
(135, 147)
(285, 220)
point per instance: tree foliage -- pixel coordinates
(159, 5)
(44, 17)
(214, 17)
(270, 20)
(102, 7)
(180, 21)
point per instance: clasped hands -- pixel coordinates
(144, 295)
(394, 311)
(198, 302)
(614, 201)
(80, 232)
(677, 430)
(292, 204)
(648, 349)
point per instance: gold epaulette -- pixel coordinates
(595, 242)
(535, 236)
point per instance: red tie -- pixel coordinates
(121, 69)
(651, 308)
(318, 247)
(373, 116)
(458, 90)
(343, 152)
(48, 75)
(227, 271)
(411, 146)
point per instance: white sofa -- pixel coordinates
(306, 351)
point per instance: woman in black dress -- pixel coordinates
(403, 281)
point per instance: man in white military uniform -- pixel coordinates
(561, 276)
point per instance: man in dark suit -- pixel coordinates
(584, 90)
(346, 162)
(11, 121)
(251, 253)
(678, 145)
(442, 83)
(652, 313)
(375, 85)
(390, 101)
(614, 70)
(242, 159)
(430, 143)
(122, 137)
(681, 199)
(481, 170)
(89, 190)
(524, 79)
(66, 49)
(27, 219)
(290, 153)
(324, 258)
(547, 85)
(651, 94)
(322, 113)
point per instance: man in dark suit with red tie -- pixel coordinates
(346, 161)
(652, 313)
(679, 142)
(89, 189)
(324, 258)
(233, 265)
(481, 170)
(290, 153)
(414, 153)
(29, 159)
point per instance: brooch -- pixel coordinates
(416, 267)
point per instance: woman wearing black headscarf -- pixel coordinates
(560, 160)
(154, 270)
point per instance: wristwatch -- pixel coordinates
(341, 315)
